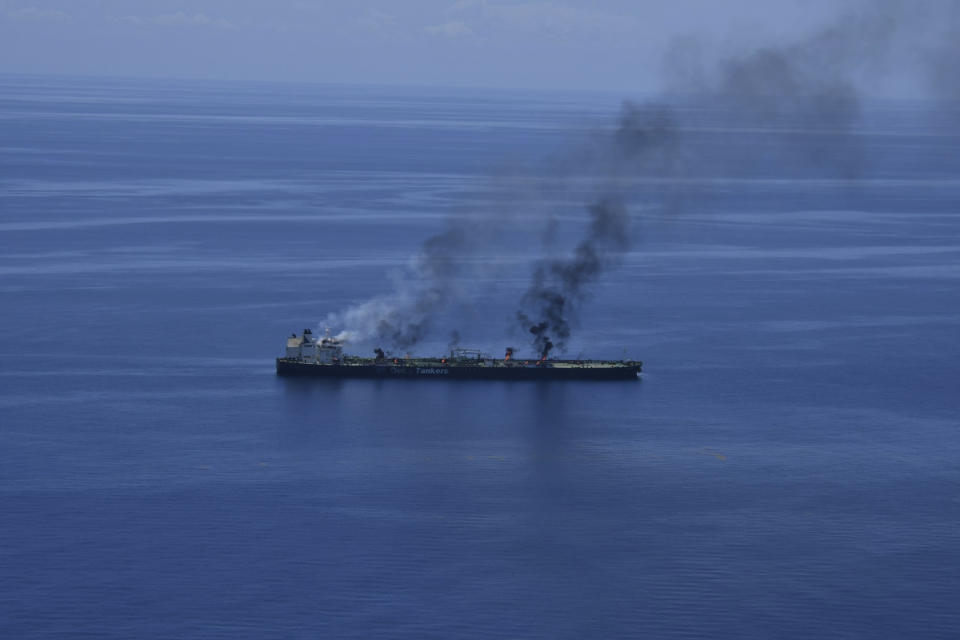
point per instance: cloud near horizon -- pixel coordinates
(565, 44)
(548, 18)
(454, 29)
(178, 19)
(34, 14)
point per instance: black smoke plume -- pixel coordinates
(454, 340)
(541, 342)
(794, 106)
(559, 285)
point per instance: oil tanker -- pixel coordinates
(308, 356)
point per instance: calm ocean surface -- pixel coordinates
(789, 465)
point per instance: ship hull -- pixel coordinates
(290, 367)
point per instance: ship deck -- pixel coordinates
(489, 363)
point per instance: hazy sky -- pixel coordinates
(611, 44)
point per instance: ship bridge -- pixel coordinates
(306, 348)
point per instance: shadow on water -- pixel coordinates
(535, 417)
(550, 445)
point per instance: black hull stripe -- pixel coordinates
(303, 369)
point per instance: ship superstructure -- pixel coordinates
(306, 348)
(307, 355)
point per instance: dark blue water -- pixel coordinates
(789, 466)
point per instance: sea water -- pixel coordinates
(788, 466)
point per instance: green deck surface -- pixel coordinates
(439, 362)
